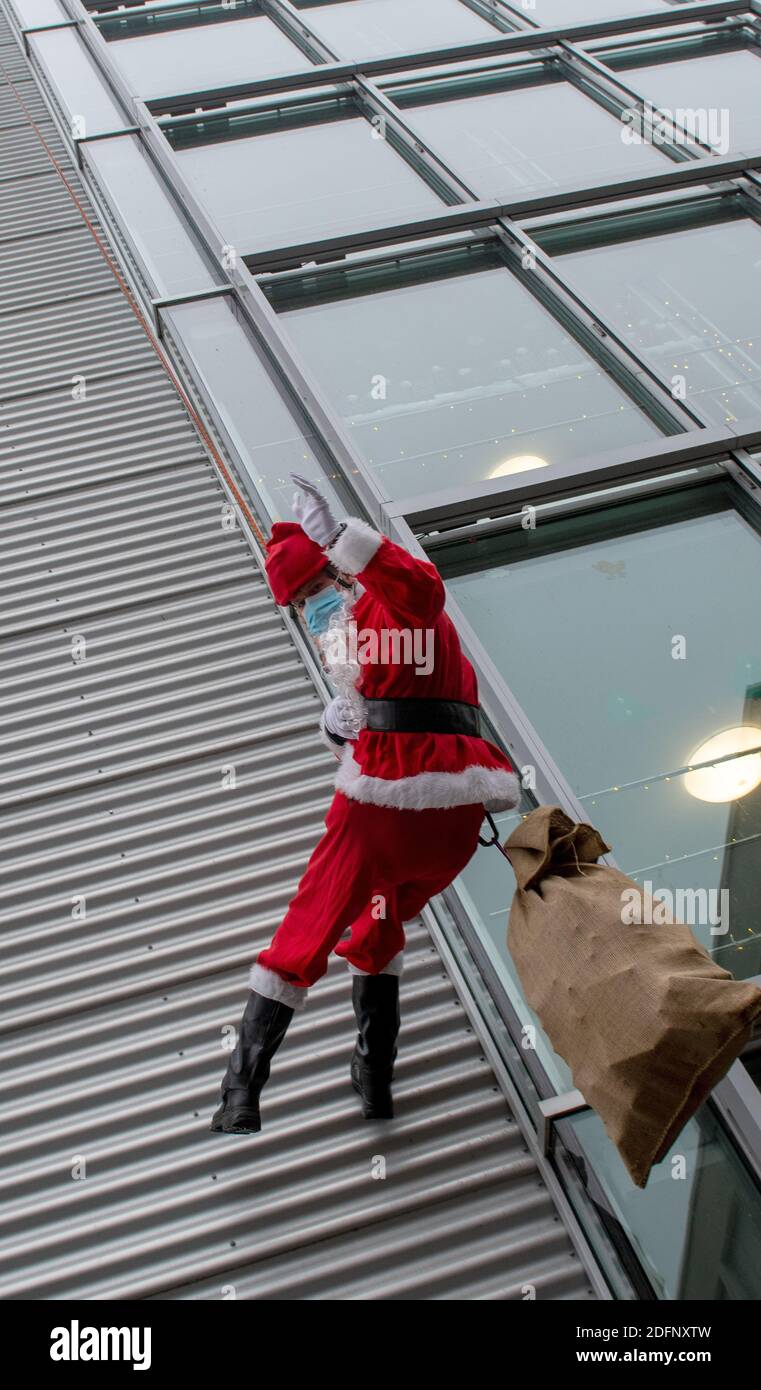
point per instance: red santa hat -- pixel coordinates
(292, 560)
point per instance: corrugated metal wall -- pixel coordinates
(136, 889)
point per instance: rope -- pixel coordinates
(135, 307)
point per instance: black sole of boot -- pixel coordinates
(370, 1112)
(239, 1120)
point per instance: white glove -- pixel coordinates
(313, 512)
(339, 718)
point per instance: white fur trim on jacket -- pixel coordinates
(273, 986)
(394, 967)
(355, 546)
(494, 788)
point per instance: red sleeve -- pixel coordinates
(411, 590)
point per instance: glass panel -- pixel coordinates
(265, 434)
(34, 12)
(697, 1236)
(302, 182)
(152, 219)
(648, 663)
(715, 97)
(556, 12)
(446, 381)
(547, 135)
(376, 28)
(690, 304)
(85, 99)
(209, 55)
(486, 888)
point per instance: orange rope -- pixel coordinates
(129, 296)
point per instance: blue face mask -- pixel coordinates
(319, 608)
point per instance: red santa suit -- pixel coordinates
(408, 807)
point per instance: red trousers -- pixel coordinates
(374, 869)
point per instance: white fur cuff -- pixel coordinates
(495, 788)
(355, 546)
(273, 986)
(394, 967)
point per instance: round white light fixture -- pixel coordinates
(730, 780)
(520, 463)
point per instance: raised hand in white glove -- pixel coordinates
(312, 511)
(339, 718)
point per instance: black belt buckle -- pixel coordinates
(419, 716)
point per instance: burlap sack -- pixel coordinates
(646, 1021)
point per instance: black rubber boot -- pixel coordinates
(261, 1032)
(376, 1005)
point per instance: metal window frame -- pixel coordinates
(366, 105)
(736, 1099)
(591, 64)
(597, 336)
(479, 213)
(740, 1111)
(589, 78)
(518, 42)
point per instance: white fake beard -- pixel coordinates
(335, 650)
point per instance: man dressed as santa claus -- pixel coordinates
(414, 780)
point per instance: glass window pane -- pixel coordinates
(698, 1237)
(251, 410)
(302, 182)
(153, 221)
(450, 380)
(207, 55)
(715, 97)
(34, 12)
(546, 135)
(85, 100)
(690, 304)
(556, 12)
(376, 28)
(486, 889)
(631, 638)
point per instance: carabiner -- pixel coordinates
(495, 831)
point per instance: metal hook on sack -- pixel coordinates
(494, 829)
(494, 836)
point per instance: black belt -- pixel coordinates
(423, 717)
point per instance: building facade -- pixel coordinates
(491, 272)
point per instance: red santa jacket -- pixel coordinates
(408, 648)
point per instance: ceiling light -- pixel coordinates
(726, 781)
(519, 463)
